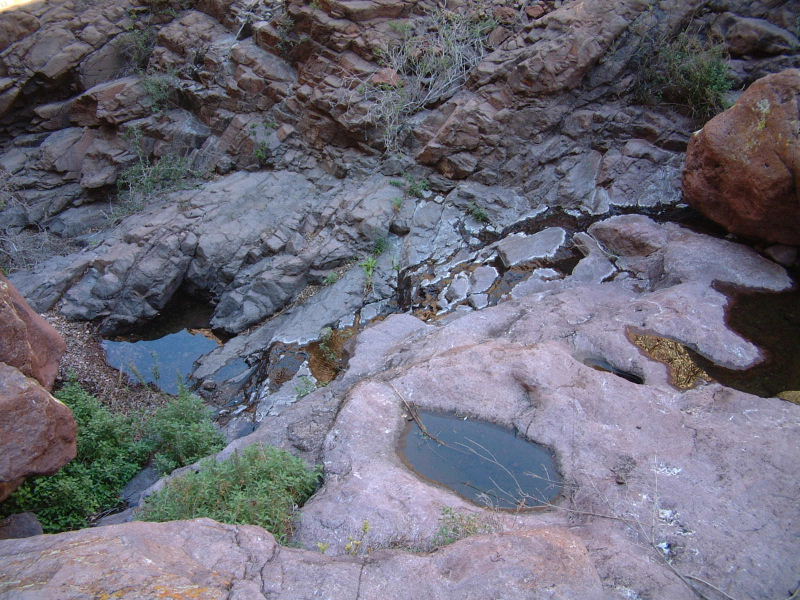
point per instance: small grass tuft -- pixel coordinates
(478, 213)
(456, 525)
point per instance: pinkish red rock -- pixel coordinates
(536, 11)
(386, 76)
(505, 14)
(27, 341)
(37, 432)
(743, 167)
(206, 560)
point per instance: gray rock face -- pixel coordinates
(520, 248)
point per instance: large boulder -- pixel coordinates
(37, 432)
(743, 167)
(27, 341)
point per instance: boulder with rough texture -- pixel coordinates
(743, 167)
(37, 432)
(27, 341)
(206, 560)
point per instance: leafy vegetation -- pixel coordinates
(109, 455)
(112, 448)
(305, 386)
(136, 46)
(160, 88)
(687, 71)
(182, 432)
(261, 486)
(478, 213)
(380, 246)
(331, 278)
(369, 264)
(432, 62)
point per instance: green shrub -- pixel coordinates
(305, 387)
(160, 88)
(417, 187)
(182, 432)
(687, 71)
(478, 213)
(380, 246)
(261, 486)
(111, 450)
(136, 46)
(109, 455)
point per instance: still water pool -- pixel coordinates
(482, 462)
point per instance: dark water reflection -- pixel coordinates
(480, 461)
(165, 362)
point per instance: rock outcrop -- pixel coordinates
(743, 168)
(703, 479)
(37, 432)
(207, 560)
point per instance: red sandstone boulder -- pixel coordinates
(37, 432)
(27, 341)
(743, 167)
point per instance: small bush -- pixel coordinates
(417, 187)
(380, 246)
(261, 486)
(109, 455)
(183, 432)
(432, 65)
(688, 72)
(160, 88)
(369, 264)
(136, 46)
(111, 450)
(305, 386)
(143, 180)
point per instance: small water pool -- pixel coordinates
(482, 462)
(165, 362)
(163, 351)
